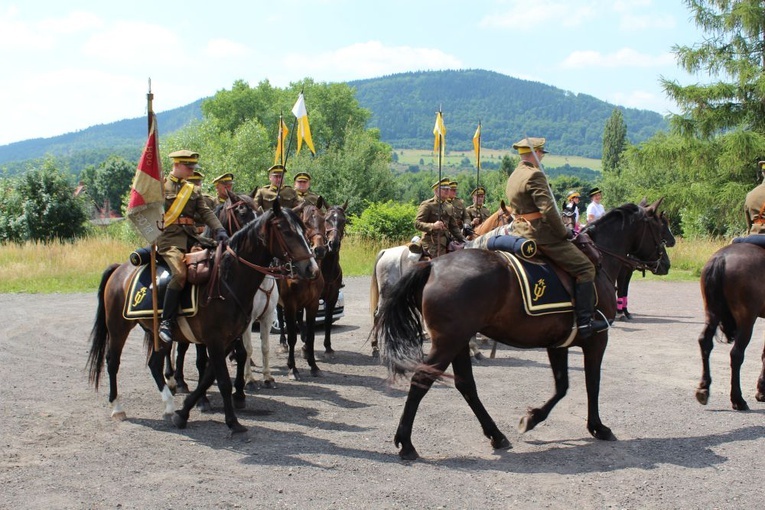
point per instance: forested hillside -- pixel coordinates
(403, 108)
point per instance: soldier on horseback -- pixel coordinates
(754, 206)
(436, 221)
(264, 196)
(537, 218)
(477, 213)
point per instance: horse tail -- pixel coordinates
(399, 328)
(713, 286)
(100, 333)
(374, 290)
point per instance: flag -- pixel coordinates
(439, 131)
(146, 204)
(477, 145)
(283, 132)
(304, 130)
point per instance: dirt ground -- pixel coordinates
(328, 442)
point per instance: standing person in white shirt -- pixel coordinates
(595, 209)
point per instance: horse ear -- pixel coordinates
(644, 202)
(277, 207)
(655, 206)
(320, 203)
(503, 207)
(344, 207)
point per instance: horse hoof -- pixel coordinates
(330, 354)
(702, 396)
(269, 384)
(239, 403)
(602, 433)
(375, 353)
(316, 372)
(525, 424)
(119, 416)
(182, 389)
(251, 386)
(741, 406)
(179, 421)
(237, 428)
(408, 454)
(204, 406)
(284, 348)
(294, 375)
(502, 444)
(760, 397)
(478, 356)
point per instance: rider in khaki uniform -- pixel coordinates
(536, 217)
(223, 184)
(265, 195)
(303, 191)
(183, 201)
(477, 213)
(754, 206)
(436, 222)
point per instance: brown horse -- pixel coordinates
(331, 270)
(471, 291)
(278, 233)
(297, 294)
(733, 299)
(501, 217)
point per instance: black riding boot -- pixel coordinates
(584, 308)
(169, 313)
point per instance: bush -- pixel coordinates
(389, 221)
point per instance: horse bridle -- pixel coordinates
(333, 230)
(630, 260)
(232, 220)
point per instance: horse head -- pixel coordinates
(335, 223)
(235, 212)
(286, 240)
(315, 228)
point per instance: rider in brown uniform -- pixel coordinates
(477, 213)
(183, 201)
(536, 217)
(436, 222)
(264, 196)
(754, 206)
(223, 184)
(302, 184)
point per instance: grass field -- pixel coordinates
(455, 158)
(77, 267)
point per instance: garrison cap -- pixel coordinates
(302, 176)
(528, 144)
(572, 194)
(595, 191)
(480, 190)
(197, 176)
(443, 183)
(224, 178)
(453, 184)
(185, 157)
(277, 169)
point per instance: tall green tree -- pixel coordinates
(733, 49)
(614, 141)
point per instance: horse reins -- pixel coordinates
(631, 261)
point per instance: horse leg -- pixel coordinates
(242, 358)
(249, 379)
(169, 368)
(422, 380)
(465, 384)
(289, 319)
(283, 346)
(156, 364)
(310, 336)
(203, 404)
(181, 416)
(705, 345)
(760, 396)
(742, 338)
(329, 307)
(593, 360)
(113, 355)
(220, 372)
(559, 364)
(265, 349)
(180, 358)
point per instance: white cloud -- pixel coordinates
(367, 60)
(73, 23)
(625, 57)
(524, 15)
(643, 100)
(136, 44)
(225, 48)
(630, 22)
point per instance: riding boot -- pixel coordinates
(584, 294)
(169, 313)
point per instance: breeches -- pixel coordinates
(174, 258)
(571, 259)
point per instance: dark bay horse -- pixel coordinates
(301, 293)
(734, 297)
(471, 291)
(277, 233)
(501, 217)
(330, 268)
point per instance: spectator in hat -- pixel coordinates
(302, 184)
(595, 209)
(265, 195)
(223, 184)
(571, 211)
(183, 201)
(477, 213)
(754, 206)
(435, 220)
(536, 217)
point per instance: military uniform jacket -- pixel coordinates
(458, 208)
(480, 212)
(427, 216)
(528, 192)
(265, 196)
(752, 206)
(309, 196)
(181, 236)
(212, 203)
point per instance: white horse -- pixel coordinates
(263, 311)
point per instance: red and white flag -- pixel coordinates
(146, 207)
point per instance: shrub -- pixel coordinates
(385, 221)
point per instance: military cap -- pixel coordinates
(185, 157)
(527, 144)
(224, 178)
(761, 164)
(572, 194)
(444, 183)
(276, 168)
(453, 184)
(302, 176)
(595, 191)
(197, 176)
(480, 190)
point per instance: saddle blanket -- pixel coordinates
(138, 304)
(541, 288)
(758, 239)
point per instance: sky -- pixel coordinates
(70, 65)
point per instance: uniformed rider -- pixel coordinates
(436, 222)
(754, 206)
(536, 217)
(264, 196)
(477, 213)
(183, 200)
(223, 184)
(303, 191)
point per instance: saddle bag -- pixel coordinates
(519, 246)
(758, 239)
(199, 264)
(586, 245)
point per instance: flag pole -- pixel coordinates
(153, 258)
(478, 157)
(440, 117)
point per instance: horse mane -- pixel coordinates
(627, 214)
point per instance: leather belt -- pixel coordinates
(759, 221)
(528, 216)
(185, 221)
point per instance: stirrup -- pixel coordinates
(166, 331)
